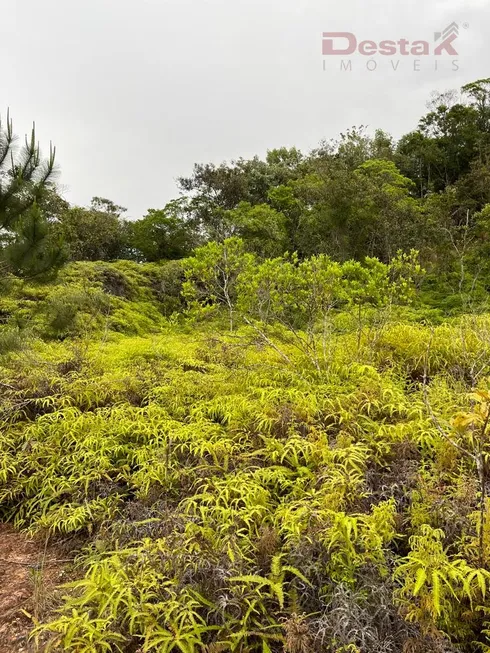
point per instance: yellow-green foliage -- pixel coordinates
(90, 297)
(231, 501)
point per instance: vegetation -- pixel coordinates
(258, 419)
(27, 246)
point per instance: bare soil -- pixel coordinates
(29, 573)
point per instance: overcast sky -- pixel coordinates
(134, 92)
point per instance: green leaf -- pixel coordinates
(421, 577)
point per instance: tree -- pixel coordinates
(163, 234)
(93, 234)
(448, 140)
(388, 216)
(213, 190)
(29, 248)
(331, 199)
(479, 92)
(212, 275)
(23, 175)
(284, 199)
(300, 296)
(33, 250)
(262, 228)
(350, 214)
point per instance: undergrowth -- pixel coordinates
(227, 495)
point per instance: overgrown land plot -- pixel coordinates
(257, 420)
(314, 479)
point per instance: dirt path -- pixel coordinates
(28, 576)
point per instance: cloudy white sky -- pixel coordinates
(133, 92)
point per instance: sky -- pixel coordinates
(134, 92)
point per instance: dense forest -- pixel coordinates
(258, 418)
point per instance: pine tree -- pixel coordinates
(25, 178)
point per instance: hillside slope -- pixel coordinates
(221, 493)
